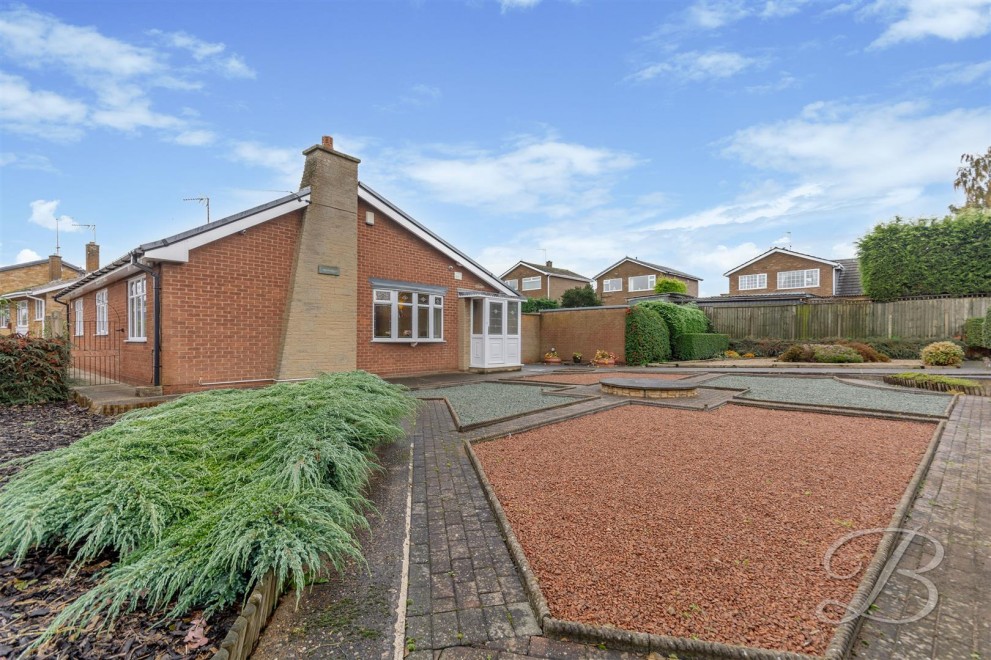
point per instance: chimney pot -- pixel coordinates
(92, 257)
(54, 267)
(327, 141)
(550, 264)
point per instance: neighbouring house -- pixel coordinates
(331, 278)
(29, 290)
(779, 271)
(547, 281)
(631, 278)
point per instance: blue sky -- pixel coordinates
(692, 134)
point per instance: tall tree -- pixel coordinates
(974, 178)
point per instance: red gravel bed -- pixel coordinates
(593, 378)
(702, 524)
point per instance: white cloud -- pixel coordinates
(751, 209)
(26, 255)
(508, 5)
(211, 55)
(910, 20)
(723, 257)
(696, 66)
(417, 96)
(286, 163)
(712, 14)
(195, 138)
(26, 162)
(956, 73)
(34, 112)
(43, 214)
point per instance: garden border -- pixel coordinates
(625, 640)
(909, 385)
(244, 633)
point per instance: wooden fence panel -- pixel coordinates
(923, 318)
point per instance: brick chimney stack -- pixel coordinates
(54, 267)
(327, 141)
(92, 257)
(550, 264)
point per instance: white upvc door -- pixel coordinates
(495, 332)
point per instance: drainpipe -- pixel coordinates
(157, 348)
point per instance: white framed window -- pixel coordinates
(798, 279)
(642, 283)
(615, 284)
(39, 310)
(749, 282)
(137, 299)
(101, 312)
(4, 314)
(78, 316)
(512, 284)
(407, 316)
(531, 283)
(22, 316)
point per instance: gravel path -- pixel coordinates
(711, 525)
(826, 391)
(595, 377)
(483, 402)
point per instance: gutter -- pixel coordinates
(157, 348)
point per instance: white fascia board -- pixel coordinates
(782, 251)
(429, 239)
(178, 252)
(122, 272)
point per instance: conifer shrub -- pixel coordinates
(973, 333)
(201, 496)
(647, 337)
(33, 369)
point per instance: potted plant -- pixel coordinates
(576, 357)
(551, 357)
(604, 358)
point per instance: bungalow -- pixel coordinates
(547, 281)
(779, 271)
(28, 291)
(632, 278)
(333, 277)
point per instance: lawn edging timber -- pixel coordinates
(247, 628)
(639, 642)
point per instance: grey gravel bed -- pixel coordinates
(484, 402)
(828, 392)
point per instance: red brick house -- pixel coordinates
(631, 278)
(28, 293)
(547, 281)
(779, 271)
(333, 277)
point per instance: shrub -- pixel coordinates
(748, 356)
(761, 347)
(942, 354)
(866, 352)
(700, 346)
(929, 256)
(895, 348)
(916, 377)
(201, 496)
(647, 338)
(732, 355)
(681, 320)
(973, 333)
(33, 369)
(531, 305)
(580, 296)
(670, 285)
(987, 329)
(797, 353)
(834, 353)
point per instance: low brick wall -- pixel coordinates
(583, 330)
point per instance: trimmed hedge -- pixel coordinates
(928, 256)
(700, 346)
(681, 320)
(33, 369)
(987, 329)
(973, 333)
(531, 305)
(647, 337)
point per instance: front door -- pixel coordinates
(495, 332)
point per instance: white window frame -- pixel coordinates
(651, 279)
(390, 298)
(5, 315)
(809, 277)
(137, 309)
(512, 284)
(22, 315)
(39, 310)
(749, 283)
(531, 283)
(77, 317)
(612, 285)
(102, 327)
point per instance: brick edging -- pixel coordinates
(247, 628)
(638, 642)
(559, 392)
(846, 412)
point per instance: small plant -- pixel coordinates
(602, 355)
(749, 356)
(732, 355)
(576, 357)
(551, 355)
(942, 354)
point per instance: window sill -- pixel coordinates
(804, 286)
(136, 341)
(407, 341)
(756, 288)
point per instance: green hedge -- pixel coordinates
(973, 333)
(928, 256)
(531, 305)
(700, 346)
(33, 369)
(987, 329)
(647, 338)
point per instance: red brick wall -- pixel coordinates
(628, 269)
(387, 251)
(779, 263)
(531, 338)
(223, 311)
(584, 331)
